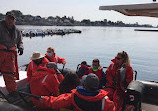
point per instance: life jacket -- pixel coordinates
(43, 64)
(32, 67)
(89, 103)
(55, 59)
(47, 82)
(86, 105)
(52, 59)
(115, 79)
(98, 72)
(81, 101)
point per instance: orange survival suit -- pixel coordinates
(44, 82)
(81, 100)
(10, 40)
(55, 59)
(83, 70)
(113, 86)
(32, 67)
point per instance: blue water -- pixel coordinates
(99, 42)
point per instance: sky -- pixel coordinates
(79, 9)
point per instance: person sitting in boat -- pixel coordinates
(70, 81)
(98, 70)
(119, 74)
(84, 98)
(83, 70)
(53, 65)
(51, 56)
(37, 60)
(47, 79)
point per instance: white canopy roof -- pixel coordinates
(149, 9)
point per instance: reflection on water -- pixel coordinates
(99, 42)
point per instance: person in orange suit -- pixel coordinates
(119, 74)
(45, 82)
(98, 70)
(84, 98)
(37, 61)
(51, 56)
(70, 81)
(10, 41)
(83, 69)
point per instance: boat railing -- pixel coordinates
(79, 65)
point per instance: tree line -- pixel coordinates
(65, 21)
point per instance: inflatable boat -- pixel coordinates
(140, 95)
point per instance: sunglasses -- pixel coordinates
(118, 58)
(48, 51)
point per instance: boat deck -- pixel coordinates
(20, 83)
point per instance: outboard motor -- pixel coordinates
(142, 95)
(134, 96)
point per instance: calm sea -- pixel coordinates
(99, 42)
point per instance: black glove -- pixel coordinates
(20, 51)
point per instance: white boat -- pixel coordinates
(143, 95)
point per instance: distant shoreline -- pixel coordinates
(82, 26)
(66, 21)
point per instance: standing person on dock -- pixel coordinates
(119, 74)
(10, 40)
(51, 56)
(37, 61)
